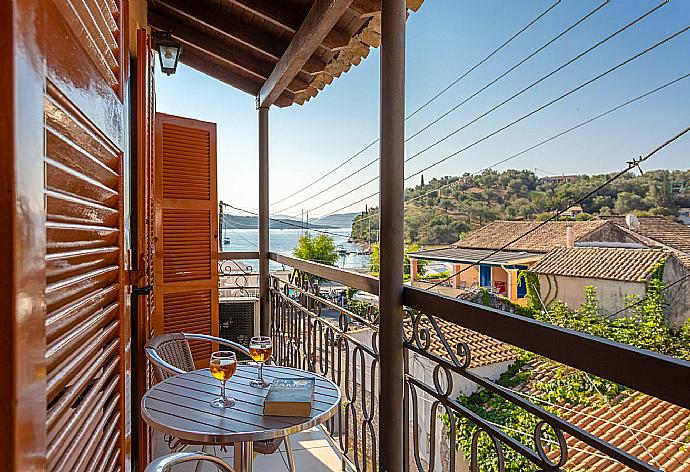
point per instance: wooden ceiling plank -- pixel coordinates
(230, 27)
(366, 8)
(222, 51)
(187, 35)
(290, 19)
(322, 16)
(196, 61)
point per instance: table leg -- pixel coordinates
(244, 456)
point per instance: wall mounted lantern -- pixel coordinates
(169, 51)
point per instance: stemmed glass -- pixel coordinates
(223, 365)
(260, 348)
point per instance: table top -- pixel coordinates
(180, 406)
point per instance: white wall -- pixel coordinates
(571, 290)
(423, 369)
(677, 296)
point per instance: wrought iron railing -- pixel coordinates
(236, 278)
(340, 345)
(316, 334)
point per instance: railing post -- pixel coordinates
(264, 223)
(391, 178)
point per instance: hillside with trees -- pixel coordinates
(468, 202)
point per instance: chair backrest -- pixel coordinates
(172, 348)
(163, 464)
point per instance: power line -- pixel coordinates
(552, 138)
(530, 56)
(523, 117)
(427, 103)
(286, 222)
(507, 100)
(633, 164)
(606, 402)
(642, 300)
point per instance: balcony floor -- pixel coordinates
(312, 449)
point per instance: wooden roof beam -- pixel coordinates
(322, 16)
(290, 18)
(253, 66)
(260, 41)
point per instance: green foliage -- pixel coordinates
(436, 275)
(362, 309)
(486, 298)
(531, 281)
(320, 248)
(375, 260)
(644, 328)
(440, 216)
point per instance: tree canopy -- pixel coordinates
(471, 201)
(320, 248)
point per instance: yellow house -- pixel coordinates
(495, 270)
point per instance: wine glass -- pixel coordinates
(260, 349)
(223, 365)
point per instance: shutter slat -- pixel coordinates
(187, 247)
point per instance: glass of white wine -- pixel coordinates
(260, 349)
(223, 365)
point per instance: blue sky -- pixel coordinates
(444, 39)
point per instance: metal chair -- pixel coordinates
(164, 463)
(171, 355)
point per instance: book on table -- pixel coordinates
(289, 397)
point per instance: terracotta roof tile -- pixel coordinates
(661, 427)
(547, 237)
(669, 233)
(484, 350)
(624, 264)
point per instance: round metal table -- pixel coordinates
(180, 406)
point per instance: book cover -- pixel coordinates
(289, 397)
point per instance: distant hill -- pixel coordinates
(252, 222)
(341, 220)
(468, 202)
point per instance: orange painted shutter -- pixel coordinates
(186, 230)
(87, 306)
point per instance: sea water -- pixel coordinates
(284, 241)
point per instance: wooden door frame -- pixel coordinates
(141, 137)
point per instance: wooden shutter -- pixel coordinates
(186, 219)
(87, 317)
(67, 327)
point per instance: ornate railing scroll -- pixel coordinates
(236, 279)
(313, 333)
(453, 365)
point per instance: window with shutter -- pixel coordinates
(186, 229)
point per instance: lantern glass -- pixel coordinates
(168, 53)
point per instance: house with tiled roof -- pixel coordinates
(488, 258)
(657, 231)
(615, 272)
(541, 237)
